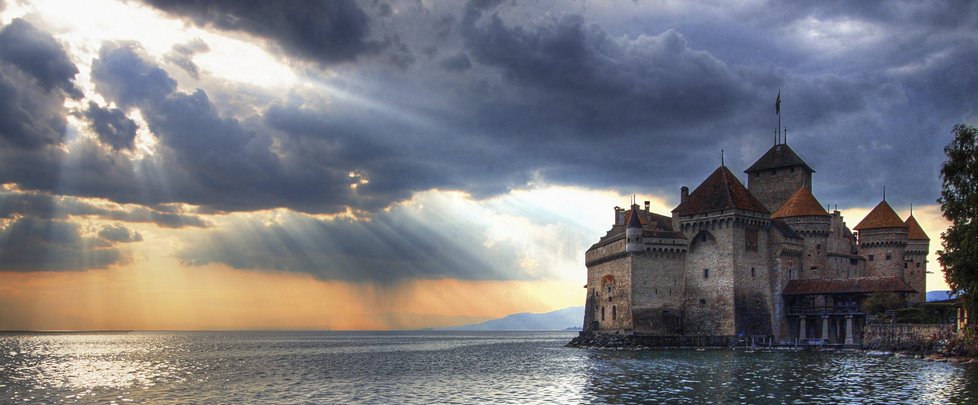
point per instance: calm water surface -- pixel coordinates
(444, 367)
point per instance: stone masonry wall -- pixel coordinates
(611, 296)
(709, 300)
(772, 190)
(753, 303)
(904, 336)
(878, 244)
(657, 288)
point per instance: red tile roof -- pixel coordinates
(882, 216)
(915, 232)
(776, 157)
(802, 203)
(847, 286)
(720, 191)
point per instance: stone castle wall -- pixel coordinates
(884, 251)
(657, 290)
(773, 187)
(753, 303)
(609, 284)
(916, 269)
(709, 300)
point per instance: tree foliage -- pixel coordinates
(959, 204)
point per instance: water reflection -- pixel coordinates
(425, 367)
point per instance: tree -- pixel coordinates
(959, 204)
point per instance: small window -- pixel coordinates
(904, 264)
(918, 265)
(609, 289)
(818, 246)
(750, 240)
(792, 170)
(757, 174)
(870, 257)
(752, 272)
(887, 256)
(706, 273)
(614, 312)
(602, 314)
(702, 301)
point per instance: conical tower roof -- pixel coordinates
(721, 190)
(633, 219)
(882, 216)
(802, 203)
(915, 232)
(777, 157)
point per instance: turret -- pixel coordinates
(777, 175)
(633, 231)
(805, 215)
(883, 241)
(915, 258)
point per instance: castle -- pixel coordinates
(764, 261)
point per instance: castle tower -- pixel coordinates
(777, 175)
(883, 241)
(805, 215)
(727, 291)
(633, 231)
(915, 259)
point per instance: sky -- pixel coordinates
(382, 165)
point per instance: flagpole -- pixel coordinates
(777, 110)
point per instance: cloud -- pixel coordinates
(35, 76)
(112, 125)
(29, 244)
(120, 234)
(38, 54)
(323, 31)
(45, 206)
(436, 235)
(182, 56)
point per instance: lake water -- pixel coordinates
(444, 367)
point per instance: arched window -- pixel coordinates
(614, 312)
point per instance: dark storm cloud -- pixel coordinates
(46, 206)
(324, 31)
(35, 76)
(112, 125)
(36, 53)
(31, 244)
(222, 163)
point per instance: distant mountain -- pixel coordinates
(939, 295)
(562, 319)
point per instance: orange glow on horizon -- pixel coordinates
(221, 298)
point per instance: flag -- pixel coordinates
(777, 104)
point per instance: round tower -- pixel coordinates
(883, 241)
(805, 215)
(633, 231)
(915, 259)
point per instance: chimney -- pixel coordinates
(618, 216)
(683, 194)
(647, 205)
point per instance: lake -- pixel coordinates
(444, 367)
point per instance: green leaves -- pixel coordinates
(959, 204)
